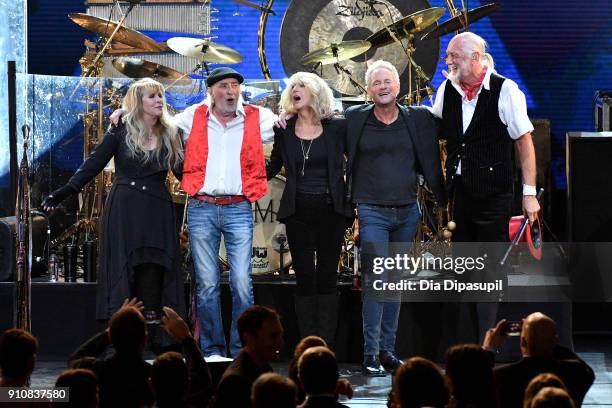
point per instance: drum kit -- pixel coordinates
(410, 35)
(335, 40)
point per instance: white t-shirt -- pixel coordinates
(512, 107)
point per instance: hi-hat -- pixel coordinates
(124, 35)
(459, 22)
(138, 68)
(336, 52)
(411, 24)
(204, 50)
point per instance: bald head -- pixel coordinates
(469, 43)
(538, 336)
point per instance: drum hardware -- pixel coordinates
(138, 68)
(279, 243)
(405, 29)
(334, 53)
(119, 33)
(411, 24)
(460, 19)
(204, 50)
(261, 30)
(267, 9)
(312, 25)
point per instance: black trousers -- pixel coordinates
(481, 219)
(315, 234)
(148, 287)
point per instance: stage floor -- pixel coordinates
(372, 392)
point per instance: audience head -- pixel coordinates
(128, 330)
(261, 332)
(538, 336)
(272, 390)
(318, 370)
(169, 377)
(551, 397)
(17, 355)
(419, 383)
(541, 381)
(306, 343)
(82, 387)
(470, 371)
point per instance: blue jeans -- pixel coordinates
(379, 225)
(206, 224)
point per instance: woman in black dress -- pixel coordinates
(312, 205)
(140, 253)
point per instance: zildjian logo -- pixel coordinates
(360, 9)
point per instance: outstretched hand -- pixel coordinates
(174, 325)
(495, 338)
(133, 302)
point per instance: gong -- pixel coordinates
(315, 24)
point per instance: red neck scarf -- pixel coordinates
(472, 90)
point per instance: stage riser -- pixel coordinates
(63, 317)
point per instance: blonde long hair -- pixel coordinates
(138, 130)
(321, 95)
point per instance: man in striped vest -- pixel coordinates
(224, 172)
(483, 117)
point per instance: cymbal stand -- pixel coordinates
(408, 50)
(108, 41)
(340, 69)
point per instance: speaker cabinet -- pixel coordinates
(589, 186)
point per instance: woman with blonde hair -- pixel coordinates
(140, 254)
(312, 205)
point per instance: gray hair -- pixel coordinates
(381, 64)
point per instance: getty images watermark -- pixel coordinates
(403, 264)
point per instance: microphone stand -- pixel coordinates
(22, 317)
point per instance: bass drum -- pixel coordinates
(270, 247)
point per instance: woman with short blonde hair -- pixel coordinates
(312, 206)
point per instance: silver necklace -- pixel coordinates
(305, 154)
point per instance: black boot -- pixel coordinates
(306, 313)
(327, 317)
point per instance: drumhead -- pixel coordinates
(269, 236)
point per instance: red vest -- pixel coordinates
(252, 162)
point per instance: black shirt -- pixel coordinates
(314, 178)
(385, 171)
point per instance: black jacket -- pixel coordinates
(234, 389)
(422, 132)
(286, 151)
(123, 379)
(511, 380)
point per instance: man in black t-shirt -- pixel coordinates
(385, 152)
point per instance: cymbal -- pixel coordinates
(138, 68)
(458, 21)
(336, 52)
(353, 99)
(204, 50)
(125, 35)
(413, 23)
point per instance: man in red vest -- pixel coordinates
(224, 172)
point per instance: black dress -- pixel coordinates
(139, 224)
